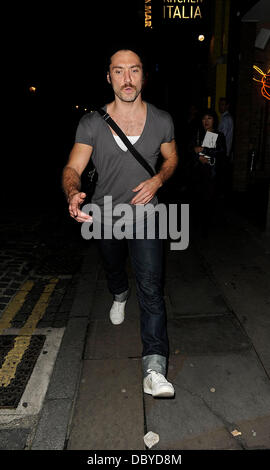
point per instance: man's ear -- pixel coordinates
(108, 77)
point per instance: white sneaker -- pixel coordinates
(156, 385)
(117, 312)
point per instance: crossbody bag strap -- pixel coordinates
(126, 141)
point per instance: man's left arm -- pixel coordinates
(148, 188)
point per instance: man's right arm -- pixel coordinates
(71, 180)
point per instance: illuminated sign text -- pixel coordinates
(148, 14)
(182, 9)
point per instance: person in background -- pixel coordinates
(207, 170)
(226, 126)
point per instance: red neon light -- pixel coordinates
(265, 81)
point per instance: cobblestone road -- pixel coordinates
(39, 257)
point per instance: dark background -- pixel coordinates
(62, 51)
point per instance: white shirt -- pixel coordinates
(226, 127)
(131, 138)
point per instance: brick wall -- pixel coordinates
(243, 109)
(252, 115)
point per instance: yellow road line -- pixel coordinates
(14, 306)
(22, 341)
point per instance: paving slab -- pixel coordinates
(109, 406)
(113, 341)
(197, 297)
(109, 410)
(203, 335)
(52, 429)
(240, 264)
(188, 285)
(215, 395)
(14, 439)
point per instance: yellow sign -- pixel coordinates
(148, 14)
(182, 9)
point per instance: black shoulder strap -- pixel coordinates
(126, 141)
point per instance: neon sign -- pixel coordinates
(265, 81)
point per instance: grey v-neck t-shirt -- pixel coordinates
(118, 170)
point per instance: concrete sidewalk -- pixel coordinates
(217, 298)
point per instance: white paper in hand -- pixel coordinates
(210, 140)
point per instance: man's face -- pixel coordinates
(222, 106)
(126, 75)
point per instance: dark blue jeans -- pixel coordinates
(147, 262)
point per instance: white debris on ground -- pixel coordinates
(150, 439)
(235, 433)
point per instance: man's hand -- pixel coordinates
(71, 180)
(146, 190)
(75, 202)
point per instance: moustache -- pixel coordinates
(127, 85)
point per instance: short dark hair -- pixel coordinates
(223, 98)
(126, 47)
(213, 114)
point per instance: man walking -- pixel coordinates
(127, 182)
